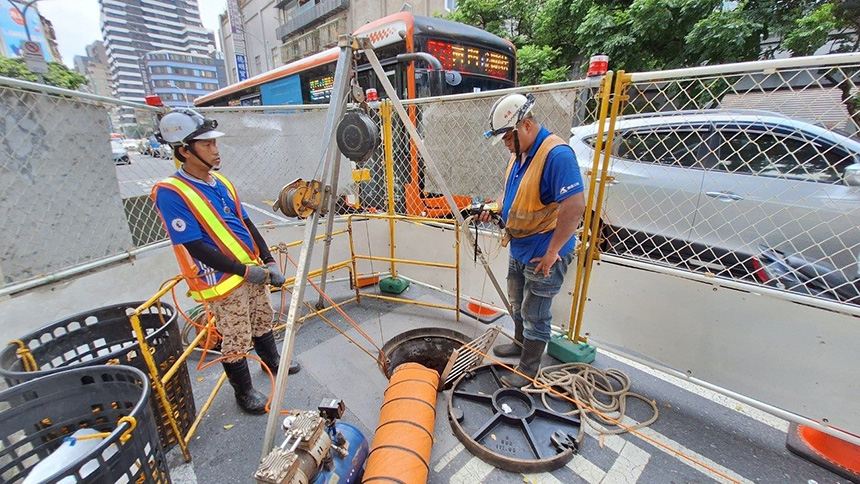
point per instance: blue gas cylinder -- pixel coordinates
(348, 469)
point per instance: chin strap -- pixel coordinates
(516, 142)
(193, 152)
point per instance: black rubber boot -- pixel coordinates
(529, 364)
(267, 350)
(250, 400)
(511, 349)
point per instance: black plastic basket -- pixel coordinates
(104, 336)
(37, 415)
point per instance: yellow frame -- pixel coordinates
(587, 252)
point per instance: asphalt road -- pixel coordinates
(137, 179)
(144, 171)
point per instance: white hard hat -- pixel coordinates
(507, 112)
(182, 126)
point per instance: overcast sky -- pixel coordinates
(77, 22)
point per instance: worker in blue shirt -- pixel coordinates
(542, 207)
(223, 257)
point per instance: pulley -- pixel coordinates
(357, 135)
(299, 198)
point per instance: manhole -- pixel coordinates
(508, 428)
(432, 347)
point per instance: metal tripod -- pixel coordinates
(331, 168)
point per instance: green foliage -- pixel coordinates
(535, 65)
(15, 68)
(58, 74)
(640, 35)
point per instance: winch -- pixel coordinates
(318, 449)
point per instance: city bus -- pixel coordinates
(474, 59)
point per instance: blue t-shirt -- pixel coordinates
(183, 227)
(561, 179)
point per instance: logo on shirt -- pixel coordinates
(178, 225)
(567, 188)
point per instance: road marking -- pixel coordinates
(671, 444)
(586, 469)
(447, 458)
(718, 398)
(264, 212)
(473, 471)
(628, 467)
(543, 478)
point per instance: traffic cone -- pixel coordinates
(831, 453)
(481, 312)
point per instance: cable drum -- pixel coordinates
(357, 136)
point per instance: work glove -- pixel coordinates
(257, 275)
(276, 278)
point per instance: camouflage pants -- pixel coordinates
(245, 312)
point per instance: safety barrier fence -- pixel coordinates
(710, 168)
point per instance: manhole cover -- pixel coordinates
(508, 428)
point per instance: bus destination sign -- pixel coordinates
(471, 60)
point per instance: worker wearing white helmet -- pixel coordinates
(224, 259)
(542, 206)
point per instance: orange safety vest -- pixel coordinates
(528, 215)
(214, 225)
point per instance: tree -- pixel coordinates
(640, 35)
(535, 65)
(58, 74)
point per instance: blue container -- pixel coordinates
(348, 469)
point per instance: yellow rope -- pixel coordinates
(131, 421)
(24, 354)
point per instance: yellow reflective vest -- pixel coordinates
(209, 219)
(528, 215)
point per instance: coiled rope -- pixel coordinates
(605, 391)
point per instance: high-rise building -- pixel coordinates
(51, 36)
(94, 67)
(178, 78)
(131, 28)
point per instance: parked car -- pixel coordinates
(164, 151)
(144, 148)
(130, 144)
(706, 188)
(120, 155)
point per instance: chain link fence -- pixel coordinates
(750, 172)
(59, 197)
(746, 171)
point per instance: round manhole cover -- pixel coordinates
(509, 428)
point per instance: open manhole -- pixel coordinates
(509, 428)
(431, 347)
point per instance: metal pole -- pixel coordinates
(387, 138)
(428, 160)
(329, 223)
(27, 30)
(329, 155)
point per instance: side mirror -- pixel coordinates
(851, 176)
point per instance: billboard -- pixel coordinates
(13, 33)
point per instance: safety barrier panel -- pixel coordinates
(710, 168)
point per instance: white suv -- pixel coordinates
(706, 188)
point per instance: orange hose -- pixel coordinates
(404, 437)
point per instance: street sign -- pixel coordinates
(34, 57)
(241, 68)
